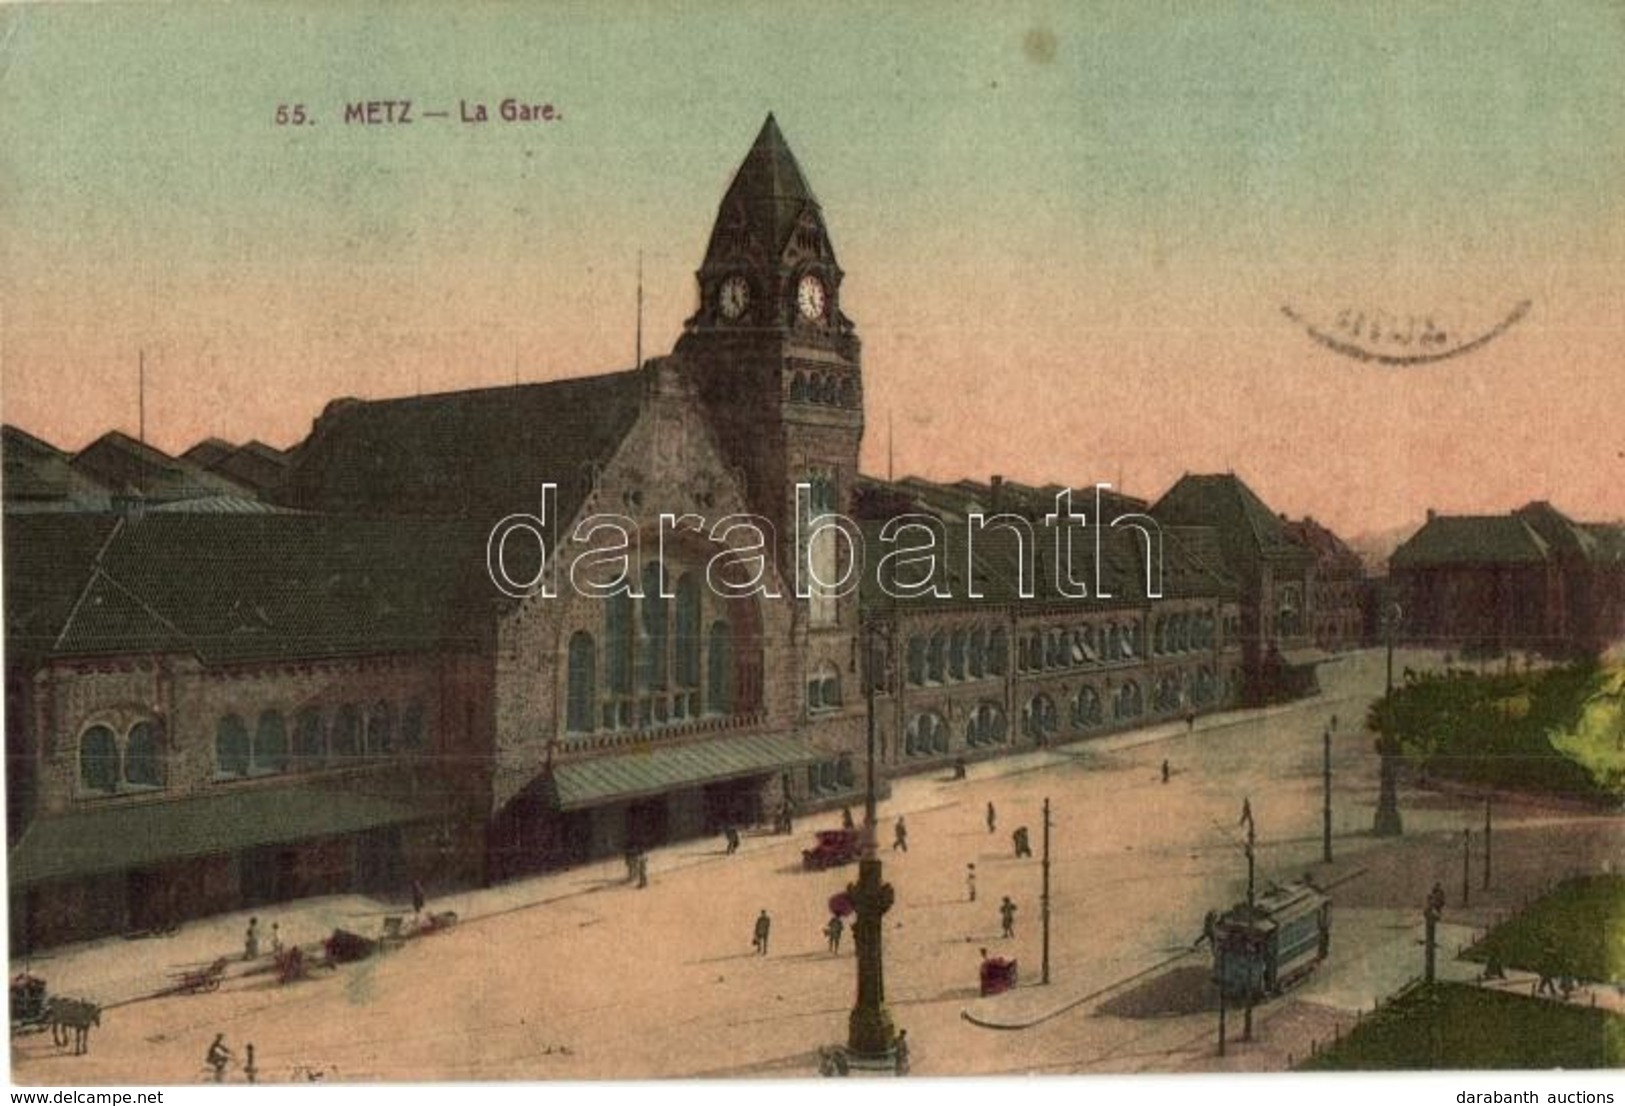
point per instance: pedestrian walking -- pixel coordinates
(643, 871)
(1023, 845)
(1007, 915)
(1210, 928)
(1190, 720)
(833, 931)
(250, 1072)
(418, 897)
(899, 838)
(970, 882)
(1436, 901)
(251, 940)
(764, 925)
(1164, 771)
(218, 1057)
(730, 833)
(900, 1052)
(846, 818)
(276, 939)
(992, 818)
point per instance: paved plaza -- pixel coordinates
(579, 975)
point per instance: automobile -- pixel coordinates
(833, 848)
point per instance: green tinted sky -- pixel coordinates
(1085, 209)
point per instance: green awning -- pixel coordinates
(657, 769)
(129, 836)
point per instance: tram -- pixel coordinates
(1261, 948)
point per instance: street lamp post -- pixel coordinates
(1486, 843)
(1387, 822)
(870, 1034)
(1326, 806)
(1044, 900)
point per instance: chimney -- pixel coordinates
(1432, 514)
(998, 493)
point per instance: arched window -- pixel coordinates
(843, 771)
(270, 751)
(824, 688)
(380, 730)
(849, 393)
(308, 747)
(1086, 710)
(412, 725)
(986, 726)
(231, 747)
(936, 658)
(957, 645)
(1205, 687)
(144, 755)
(976, 658)
(1130, 703)
(1039, 720)
(998, 653)
(98, 759)
(927, 734)
(916, 660)
(688, 630)
(652, 670)
(582, 691)
(798, 388)
(720, 669)
(347, 732)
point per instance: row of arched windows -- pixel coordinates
(659, 663)
(315, 739)
(829, 389)
(110, 761)
(1078, 646)
(1181, 633)
(965, 653)
(830, 775)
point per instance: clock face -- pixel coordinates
(810, 297)
(734, 297)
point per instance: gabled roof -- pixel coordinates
(38, 476)
(765, 200)
(127, 467)
(1247, 527)
(478, 454)
(209, 451)
(238, 587)
(1471, 540)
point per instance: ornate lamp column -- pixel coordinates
(870, 1034)
(1387, 822)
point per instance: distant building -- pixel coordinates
(1533, 580)
(1339, 591)
(1274, 571)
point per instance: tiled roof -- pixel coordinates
(238, 587)
(127, 467)
(1247, 527)
(1471, 539)
(38, 476)
(477, 454)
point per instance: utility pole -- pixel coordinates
(1044, 901)
(1387, 822)
(1486, 842)
(1326, 810)
(1466, 865)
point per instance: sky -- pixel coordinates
(1069, 231)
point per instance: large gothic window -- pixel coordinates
(582, 693)
(1086, 709)
(98, 759)
(986, 726)
(652, 670)
(998, 652)
(688, 631)
(270, 749)
(144, 755)
(308, 746)
(1039, 719)
(231, 747)
(927, 735)
(720, 669)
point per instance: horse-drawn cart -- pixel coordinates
(28, 1003)
(196, 981)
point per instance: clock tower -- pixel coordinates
(776, 362)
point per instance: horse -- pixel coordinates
(77, 1015)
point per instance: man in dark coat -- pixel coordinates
(764, 925)
(1007, 915)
